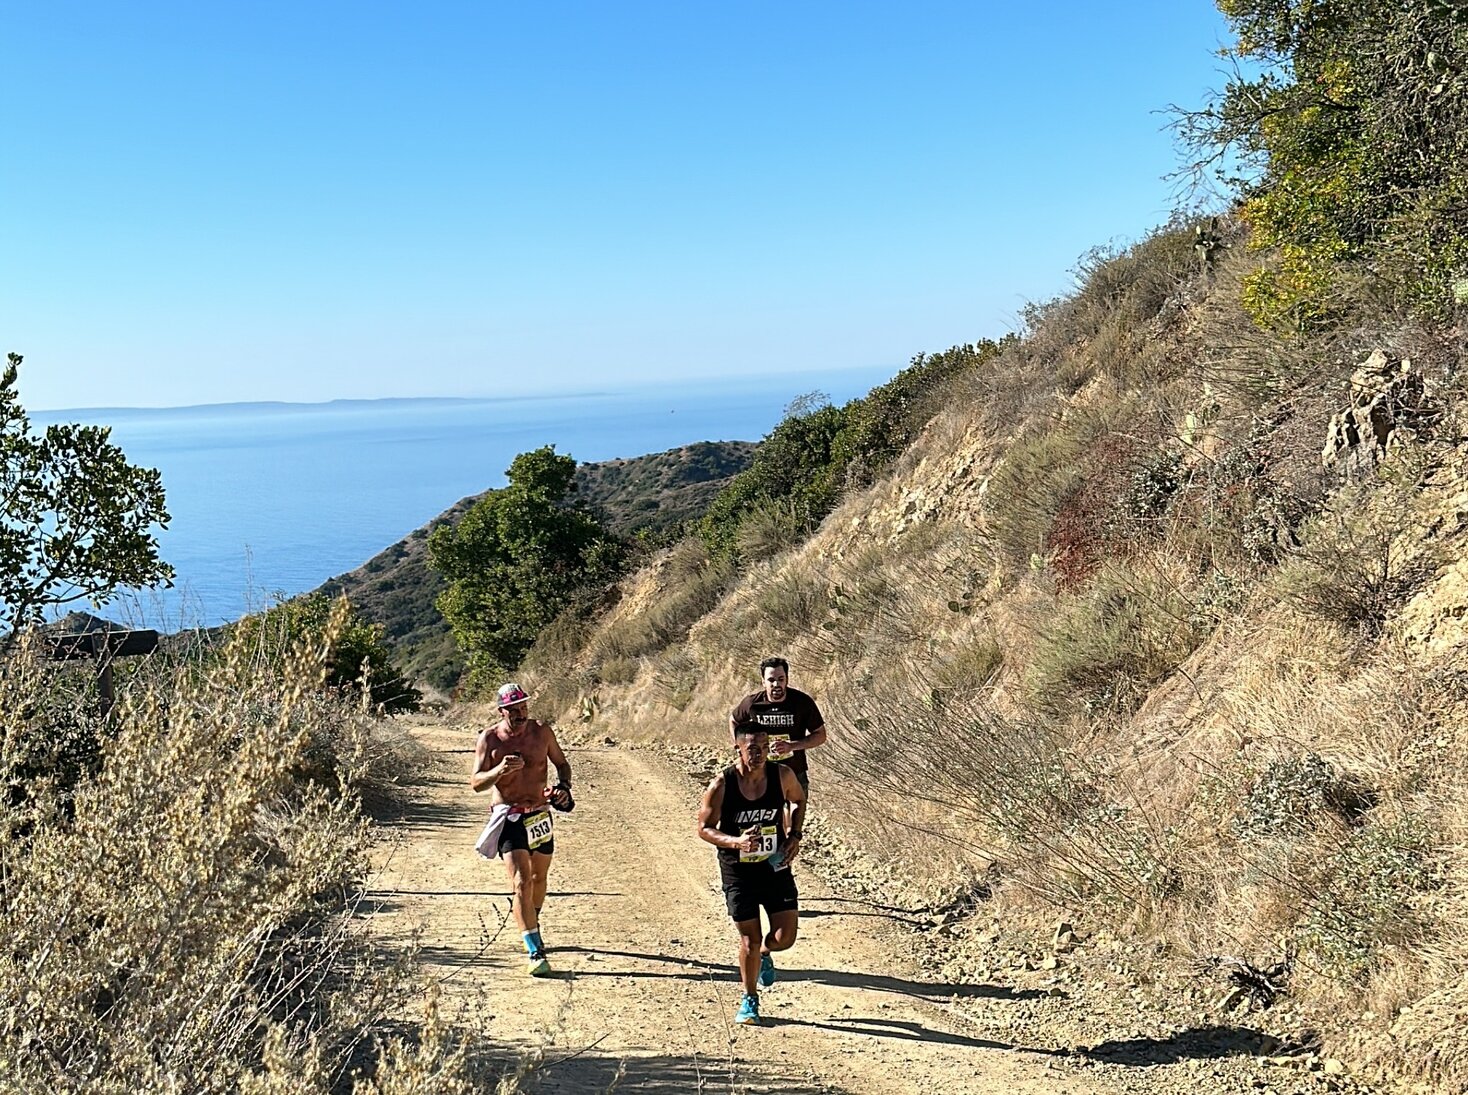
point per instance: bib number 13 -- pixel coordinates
(769, 836)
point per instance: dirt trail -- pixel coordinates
(644, 985)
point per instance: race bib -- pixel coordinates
(769, 838)
(774, 738)
(537, 829)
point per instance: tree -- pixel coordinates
(357, 657)
(520, 555)
(78, 519)
(792, 469)
(1354, 117)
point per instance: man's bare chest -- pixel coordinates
(529, 744)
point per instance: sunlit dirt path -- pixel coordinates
(644, 985)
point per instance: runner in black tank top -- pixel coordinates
(752, 813)
(738, 815)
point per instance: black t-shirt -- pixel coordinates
(794, 717)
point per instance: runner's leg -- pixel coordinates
(783, 928)
(522, 880)
(749, 950)
(540, 874)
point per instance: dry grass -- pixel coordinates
(179, 913)
(1102, 649)
(1110, 628)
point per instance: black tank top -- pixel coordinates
(739, 813)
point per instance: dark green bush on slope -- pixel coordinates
(793, 466)
(1354, 120)
(357, 656)
(520, 555)
(801, 469)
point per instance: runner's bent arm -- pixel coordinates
(738, 717)
(558, 758)
(485, 775)
(810, 741)
(708, 821)
(795, 811)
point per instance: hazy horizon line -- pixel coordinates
(573, 393)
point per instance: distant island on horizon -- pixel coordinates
(287, 405)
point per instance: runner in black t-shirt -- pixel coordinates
(788, 715)
(752, 812)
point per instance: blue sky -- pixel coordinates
(307, 201)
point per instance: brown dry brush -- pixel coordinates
(180, 916)
(1015, 792)
(1023, 792)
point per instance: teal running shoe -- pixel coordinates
(766, 970)
(748, 1013)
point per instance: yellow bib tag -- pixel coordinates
(537, 828)
(769, 838)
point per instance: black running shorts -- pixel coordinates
(515, 837)
(746, 891)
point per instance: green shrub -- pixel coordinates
(1291, 795)
(1151, 487)
(518, 556)
(1368, 900)
(793, 466)
(1105, 646)
(880, 426)
(358, 661)
(817, 451)
(771, 528)
(1351, 122)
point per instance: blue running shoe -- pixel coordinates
(748, 1013)
(766, 971)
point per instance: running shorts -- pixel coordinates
(746, 891)
(517, 837)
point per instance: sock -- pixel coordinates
(533, 945)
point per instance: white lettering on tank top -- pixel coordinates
(754, 817)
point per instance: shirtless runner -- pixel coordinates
(511, 760)
(752, 812)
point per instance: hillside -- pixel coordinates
(651, 495)
(1141, 642)
(1157, 630)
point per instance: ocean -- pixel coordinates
(271, 499)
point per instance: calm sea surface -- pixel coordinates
(273, 499)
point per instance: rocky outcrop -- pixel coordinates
(1389, 404)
